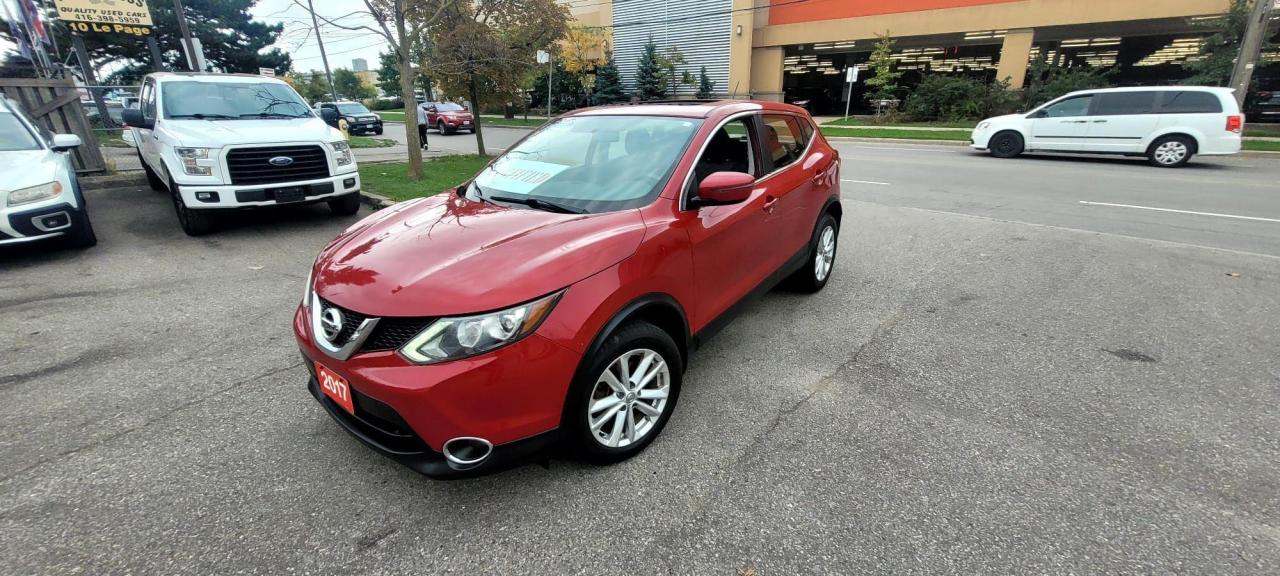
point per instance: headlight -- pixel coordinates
(342, 152)
(984, 125)
(189, 156)
(35, 193)
(454, 338)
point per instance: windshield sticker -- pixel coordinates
(520, 176)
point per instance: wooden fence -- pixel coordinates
(55, 106)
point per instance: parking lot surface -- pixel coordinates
(997, 380)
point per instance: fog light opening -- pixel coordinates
(349, 183)
(207, 196)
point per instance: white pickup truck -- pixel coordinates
(229, 141)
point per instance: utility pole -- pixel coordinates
(1250, 48)
(192, 59)
(323, 58)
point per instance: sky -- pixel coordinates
(298, 39)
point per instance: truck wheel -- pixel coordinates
(345, 205)
(193, 222)
(153, 179)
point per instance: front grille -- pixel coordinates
(251, 166)
(350, 321)
(393, 333)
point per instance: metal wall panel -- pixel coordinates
(700, 29)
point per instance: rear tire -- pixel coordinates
(813, 276)
(81, 236)
(345, 205)
(153, 180)
(193, 222)
(639, 346)
(1171, 151)
(1007, 144)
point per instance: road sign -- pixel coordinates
(851, 73)
(267, 72)
(543, 56)
(106, 16)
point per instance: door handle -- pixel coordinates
(770, 202)
(1099, 121)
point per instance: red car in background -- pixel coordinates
(557, 296)
(448, 117)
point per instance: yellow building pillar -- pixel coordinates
(740, 34)
(766, 73)
(1014, 55)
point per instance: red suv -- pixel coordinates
(448, 117)
(558, 295)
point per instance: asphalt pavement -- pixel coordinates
(998, 379)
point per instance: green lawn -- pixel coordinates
(1262, 145)
(438, 174)
(950, 135)
(966, 124)
(390, 115)
(367, 142)
(1262, 130)
(112, 141)
(518, 121)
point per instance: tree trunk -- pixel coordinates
(405, 58)
(475, 113)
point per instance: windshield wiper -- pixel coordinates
(274, 115)
(199, 116)
(537, 204)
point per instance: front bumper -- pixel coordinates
(512, 397)
(365, 127)
(232, 196)
(40, 223)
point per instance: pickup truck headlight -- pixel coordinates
(342, 152)
(35, 193)
(189, 156)
(460, 337)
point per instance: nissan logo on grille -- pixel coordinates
(331, 323)
(280, 161)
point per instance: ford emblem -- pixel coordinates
(280, 161)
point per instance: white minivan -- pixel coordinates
(226, 141)
(1167, 125)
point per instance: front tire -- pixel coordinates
(1007, 144)
(814, 275)
(1171, 151)
(345, 205)
(440, 128)
(621, 402)
(193, 222)
(153, 179)
(81, 236)
(377, 131)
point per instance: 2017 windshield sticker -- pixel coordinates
(519, 176)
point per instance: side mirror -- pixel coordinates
(1041, 114)
(133, 118)
(329, 115)
(723, 188)
(64, 142)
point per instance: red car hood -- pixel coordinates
(446, 256)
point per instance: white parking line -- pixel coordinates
(865, 182)
(1255, 218)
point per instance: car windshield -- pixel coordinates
(353, 108)
(14, 135)
(589, 164)
(231, 100)
(449, 107)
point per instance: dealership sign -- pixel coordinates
(106, 16)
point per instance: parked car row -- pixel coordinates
(40, 197)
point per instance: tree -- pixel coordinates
(486, 48)
(584, 50)
(706, 88)
(350, 86)
(388, 73)
(1220, 49)
(883, 84)
(312, 86)
(649, 84)
(231, 39)
(568, 91)
(608, 87)
(402, 24)
(669, 63)
(1046, 81)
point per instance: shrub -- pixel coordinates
(955, 98)
(380, 104)
(1046, 81)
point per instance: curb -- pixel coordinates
(897, 140)
(377, 202)
(118, 180)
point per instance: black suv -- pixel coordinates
(359, 119)
(1265, 107)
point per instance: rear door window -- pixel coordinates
(1190, 103)
(783, 141)
(1124, 103)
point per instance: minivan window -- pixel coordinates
(1078, 106)
(592, 164)
(231, 100)
(1190, 103)
(1124, 103)
(14, 134)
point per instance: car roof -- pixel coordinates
(687, 108)
(209, 77)
(1215, 89)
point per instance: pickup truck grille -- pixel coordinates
(253, 166)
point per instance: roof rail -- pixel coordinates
(685, 102)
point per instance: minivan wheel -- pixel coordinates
(621, 402)
(1171, 151)
(1006, 144)
(813, 276)
(193, 222)
(345, 205)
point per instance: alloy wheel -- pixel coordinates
(826, 254)
(629, 398)
(1171, 152)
